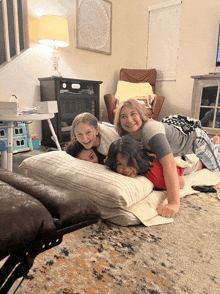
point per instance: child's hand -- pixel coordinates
(168, 210)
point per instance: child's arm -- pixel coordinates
(172, 184)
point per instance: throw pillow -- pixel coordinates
(127, 90)
(95, 181)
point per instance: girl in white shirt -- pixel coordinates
(87, 130)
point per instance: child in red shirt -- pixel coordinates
(126, 157)
(155, 175)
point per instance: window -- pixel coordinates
(13, 29)
(163, 38)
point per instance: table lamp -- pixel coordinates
(53, 31)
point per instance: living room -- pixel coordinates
(196, 54)
(180, 256)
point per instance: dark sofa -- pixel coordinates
(33, 218)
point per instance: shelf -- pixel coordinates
(73, 97)
(206, 102)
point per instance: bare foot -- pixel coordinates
(216, 139)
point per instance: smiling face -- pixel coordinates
(87, 135)
(123, 168)
(88, 155)
(130, 119)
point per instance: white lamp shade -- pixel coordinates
(53, 30)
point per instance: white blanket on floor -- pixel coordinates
(145, 209)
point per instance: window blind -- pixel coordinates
(163, 38)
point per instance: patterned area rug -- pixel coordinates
(181, 257)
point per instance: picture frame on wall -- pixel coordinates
(94, 25)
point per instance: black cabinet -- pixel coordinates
(73, 96)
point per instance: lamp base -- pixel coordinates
(55, 61)
(56, 73)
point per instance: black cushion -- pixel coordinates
(65, 207)
(22, 219)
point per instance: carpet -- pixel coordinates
(180, 257)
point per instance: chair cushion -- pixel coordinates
(127, 90)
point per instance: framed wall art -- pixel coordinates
(94, 25)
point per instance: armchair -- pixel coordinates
(135, 76)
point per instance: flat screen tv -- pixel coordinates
(218, 49)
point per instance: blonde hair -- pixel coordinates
(84, 118)
(141, 109)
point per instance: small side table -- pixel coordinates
(25, 118)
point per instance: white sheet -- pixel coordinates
(145, 209)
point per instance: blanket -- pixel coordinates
(145, 209)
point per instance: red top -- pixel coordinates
(155, 175)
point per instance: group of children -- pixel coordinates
(138, 145)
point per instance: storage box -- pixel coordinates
(35, 141)
(8, 108)
(47, 107)
(3, 145)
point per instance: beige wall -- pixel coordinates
(198, 41)
(197, 53)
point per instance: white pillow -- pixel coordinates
(127, 90)
(95, 181)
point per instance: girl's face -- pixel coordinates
(87, 135)
(88, 155)
(123, 168)
(130, 119)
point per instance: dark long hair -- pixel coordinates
(74, 148)
(129, 149)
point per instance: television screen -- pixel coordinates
(218, 50)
